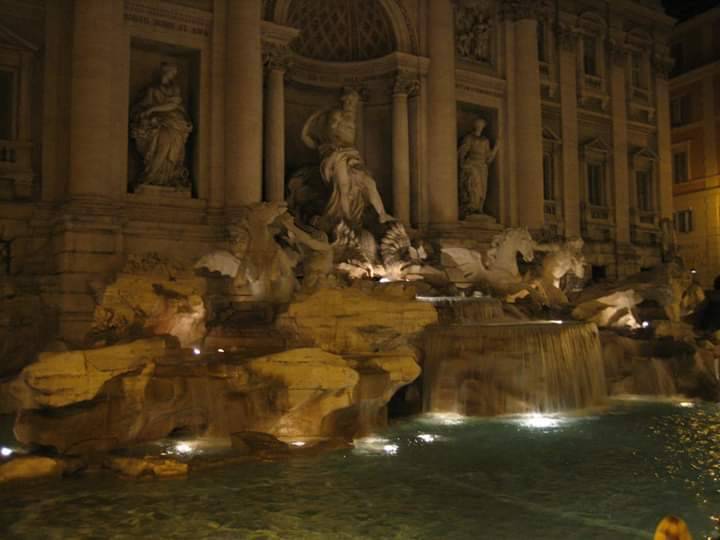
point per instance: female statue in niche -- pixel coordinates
(474, 157)
(160, 126)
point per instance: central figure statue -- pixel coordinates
(349, 188)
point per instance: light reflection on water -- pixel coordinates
(603, 476)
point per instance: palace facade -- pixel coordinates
(574, 95)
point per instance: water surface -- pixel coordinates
(606, 476)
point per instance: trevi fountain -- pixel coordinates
(326, 368)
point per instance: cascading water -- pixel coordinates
(502, 368)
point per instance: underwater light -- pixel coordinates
(391, 449)
(298, 443)
(686, 404)
(6, 452)
(539, 421)
(645, 324)
(196, 351)
(183, 448)
(221, 350)
(693, 271)
(426, 437)
(384, 280)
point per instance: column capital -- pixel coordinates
(663, 65)
(567, 37)
(405, 84)
(618, 52)
(515, 10)
(276, 56)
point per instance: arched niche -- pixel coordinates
(319, 74)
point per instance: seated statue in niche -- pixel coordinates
(474, 157)
(160, 126)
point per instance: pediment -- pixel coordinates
(11, 40)
(644, 153)
(596, 145)
(550, 136)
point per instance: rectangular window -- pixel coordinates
(683, 221)
(7, 104)
(590, 56)
(680, 166)
(548, 177)
(644, 191)
(542, 39)
(680, 110)
(595, 179)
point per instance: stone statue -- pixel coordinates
(160, 126)
(498, 269)
(473, 25)
(352, 187)
(560, 259)
(474, 157)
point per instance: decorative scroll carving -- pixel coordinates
(473, 27)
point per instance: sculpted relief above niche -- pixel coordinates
(474, 30)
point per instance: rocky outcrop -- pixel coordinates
(36, 467)
(150, 297)
(147, 466)
(658, 367)
(81, 402)
(365, 318)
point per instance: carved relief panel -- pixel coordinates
(475, 31)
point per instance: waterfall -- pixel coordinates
(457, 309)
(501, 368)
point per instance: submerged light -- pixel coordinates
(196, 351)
(645, 324)
(183, 448)
(298, 443)
(686, 404)
(5, 451)
(391, 449)
(221, 350)
(539, 421)
(426, 437)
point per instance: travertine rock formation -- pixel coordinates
(365, 318)
(85, 401)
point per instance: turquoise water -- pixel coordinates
(608, 476)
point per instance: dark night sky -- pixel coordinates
(684, 9)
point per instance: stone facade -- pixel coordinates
(574, 92)
(695, 120)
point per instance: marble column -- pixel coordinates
(401, 149)
(442, 114)
(94, 51)
(621, 176)
(243, 104)
(662, 66)
(276, 62)
(568, 106)
(528, 117)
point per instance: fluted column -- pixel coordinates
(442, 117)
(401, 149)
(568, 104)
(243, 104)
(528, 114)
(276, 63)
(621, 178)
(95, 27)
